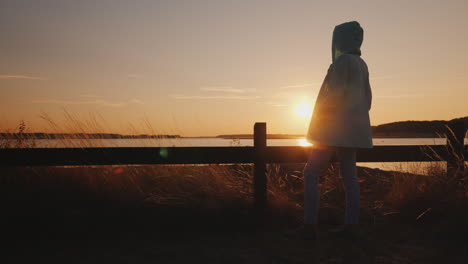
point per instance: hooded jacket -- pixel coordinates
(341, 113)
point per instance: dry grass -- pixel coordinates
(216, 185)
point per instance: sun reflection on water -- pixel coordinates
(303, 142)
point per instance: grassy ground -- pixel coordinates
(201, 214)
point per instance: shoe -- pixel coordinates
(305, 232)
(346, 231)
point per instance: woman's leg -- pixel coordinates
(347, 157)
(317, 162)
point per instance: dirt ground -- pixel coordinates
(155, 235)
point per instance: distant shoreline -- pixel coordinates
(79, 136)
(401, 129)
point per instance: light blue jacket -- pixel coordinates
(341, 113)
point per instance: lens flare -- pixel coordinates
(164, 153)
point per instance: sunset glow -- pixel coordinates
(303, 109)
(217, 67)
(234, 131)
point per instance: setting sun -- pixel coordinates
(303, 109)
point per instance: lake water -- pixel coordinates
(212, 142)
(414, 167)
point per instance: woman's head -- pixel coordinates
(347, 38)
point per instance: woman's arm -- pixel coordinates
(338, 83)
(368, 92)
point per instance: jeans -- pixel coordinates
(317, 163)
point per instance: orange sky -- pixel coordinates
(216, 67)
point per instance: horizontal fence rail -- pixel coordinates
(125, 155)
(454, 153)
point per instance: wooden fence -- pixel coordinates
(454, 153)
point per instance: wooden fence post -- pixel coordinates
(260, 180)
(455, 145)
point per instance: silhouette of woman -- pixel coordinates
(339, 124)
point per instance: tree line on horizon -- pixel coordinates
(39, 135)
(435, 128)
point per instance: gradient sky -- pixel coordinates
(211, 67)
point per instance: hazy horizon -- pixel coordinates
(216, 67)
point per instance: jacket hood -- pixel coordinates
(347, 38)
